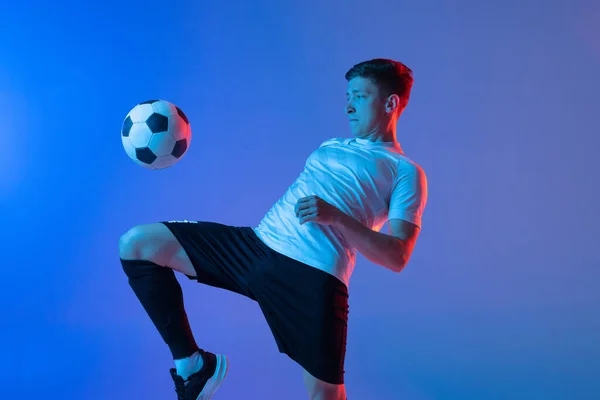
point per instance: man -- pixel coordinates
(296, 264)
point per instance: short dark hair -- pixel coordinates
(391, 77)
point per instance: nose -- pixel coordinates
(349, 109)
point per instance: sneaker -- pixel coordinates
(203, 384)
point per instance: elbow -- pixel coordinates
(398, 268)
(399, 265)
(400, 256)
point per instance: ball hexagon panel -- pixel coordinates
(179, 128)
(140, 135)
(165, 108)
(163, 162)
(141, 112)
(129, 149)
(162, 144)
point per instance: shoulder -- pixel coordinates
(333, 142)
(408, 167)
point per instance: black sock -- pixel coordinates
(160, 294)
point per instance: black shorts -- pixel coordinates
(306, 308)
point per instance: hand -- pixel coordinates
(315, 209)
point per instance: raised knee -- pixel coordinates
(131, 242)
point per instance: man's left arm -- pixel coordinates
(391, 251)
(407, 202)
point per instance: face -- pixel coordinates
(366, 109)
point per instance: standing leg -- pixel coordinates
(307, 311)
(319, 390)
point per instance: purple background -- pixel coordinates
(500, 299)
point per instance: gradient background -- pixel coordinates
(501, 298)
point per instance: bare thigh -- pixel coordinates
(155, 243)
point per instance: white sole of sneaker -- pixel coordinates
(215, 381)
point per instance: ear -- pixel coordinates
(392, 103)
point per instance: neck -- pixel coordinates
(384, 134)
(389, 135)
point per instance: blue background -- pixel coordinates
(500, 299)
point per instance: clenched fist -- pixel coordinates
(315, 209)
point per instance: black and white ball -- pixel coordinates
(156, 134)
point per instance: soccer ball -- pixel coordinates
(156, 134)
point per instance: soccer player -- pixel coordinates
(296, 264)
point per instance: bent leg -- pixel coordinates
(149, 253)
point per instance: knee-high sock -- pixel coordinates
(160, 294)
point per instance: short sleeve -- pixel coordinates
(409, 194)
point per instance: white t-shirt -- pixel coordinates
(370, 181)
